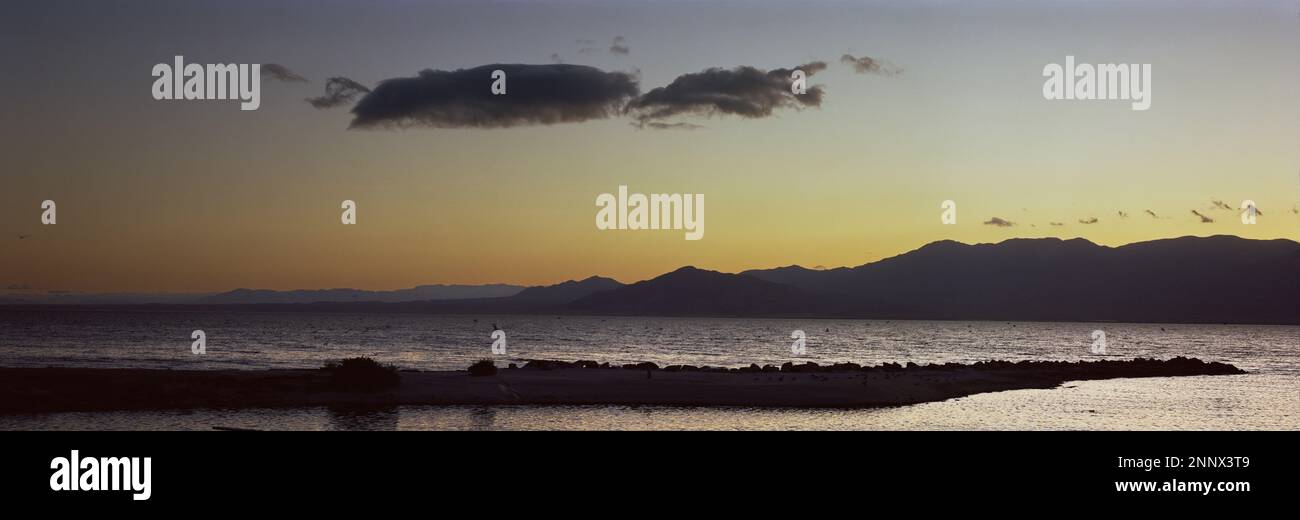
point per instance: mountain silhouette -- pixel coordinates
(418, 293)
(1190, 279)
(566, 292)
(690, 291)
(1217, 279)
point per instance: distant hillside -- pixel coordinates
(75, 298)
(690, 291)
(419, 293)
(566, 292)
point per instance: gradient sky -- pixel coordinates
(158, 196)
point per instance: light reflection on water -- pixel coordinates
(302, 340)
(1267, 398)
(1247, 402)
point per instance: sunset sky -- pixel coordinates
(197, 196)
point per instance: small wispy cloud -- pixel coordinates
(277, 72)
(1123, 214)
(338, 91)
(1218, 204)
(659, 125)
(1204, 219)
(1057, 223)
(999, 222)
(869, 65)
(1089, 220)
(1152, 213)
(619, 46)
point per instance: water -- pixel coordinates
(1267, 398)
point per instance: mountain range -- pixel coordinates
(1189, 279)
(421, 292)
(267, 296)
(1217, 279)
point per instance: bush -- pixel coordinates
(483, 367)
(362, 374)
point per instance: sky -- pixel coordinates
(199, 196)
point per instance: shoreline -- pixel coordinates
(377, 308)
(44, 390)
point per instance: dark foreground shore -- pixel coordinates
(33, 390)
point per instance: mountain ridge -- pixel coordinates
(1213, 279)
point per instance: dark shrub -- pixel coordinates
(483, 367)
(361, 374)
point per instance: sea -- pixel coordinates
(1267, 398)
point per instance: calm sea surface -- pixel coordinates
(1267, 398)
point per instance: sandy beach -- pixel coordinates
(30, 390)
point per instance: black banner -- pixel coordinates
(170, 471)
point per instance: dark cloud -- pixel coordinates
(1218, 204)
(19, 287)
(743, 91)
(1056, 223)
(1152, 213)
(555, 58)
(1296, 210)
(1089, 220)
(619, 46)
(1123, 214)
(869, 65)
(338, 91)
(278, 72)
(999, 222)
(535, 95)
(1204, 219)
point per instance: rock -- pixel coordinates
(483, 367)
